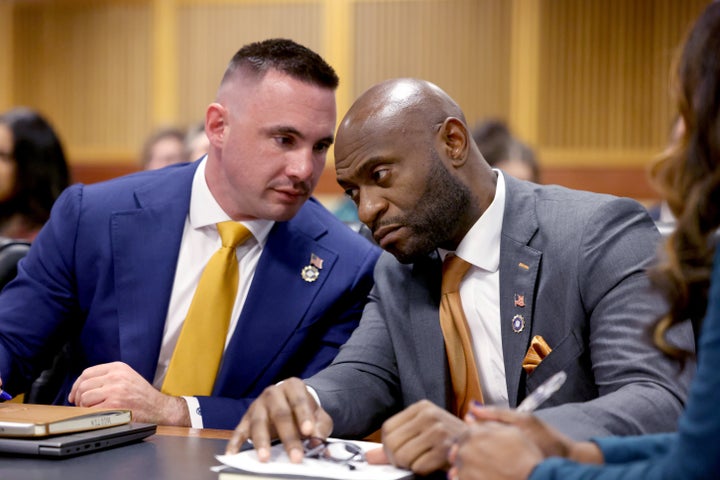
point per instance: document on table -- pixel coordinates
(280, 466)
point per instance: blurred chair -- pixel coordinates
(11, 251)
(45, 386)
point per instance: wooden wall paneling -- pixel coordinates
(210, 33)
(462, 46)
(86, 67)
(585, 81)
(165, 70)
(524, 69)
(608, 90)
(7, 53)
(338, 35)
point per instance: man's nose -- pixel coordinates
(369, 206)
(302, 164)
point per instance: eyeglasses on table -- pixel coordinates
(337, 451)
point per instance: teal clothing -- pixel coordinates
(691, 453)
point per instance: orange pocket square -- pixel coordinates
(538, 350)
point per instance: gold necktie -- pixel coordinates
(458, 344)
(196, 359)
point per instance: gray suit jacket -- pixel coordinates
(586, 292)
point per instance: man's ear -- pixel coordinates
(454, 137)
(215, 123)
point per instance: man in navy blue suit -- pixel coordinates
(113, 272)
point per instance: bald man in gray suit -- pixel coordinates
(551, 265)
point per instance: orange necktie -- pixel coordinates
(458, 344)
(196, 359)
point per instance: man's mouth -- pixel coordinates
(386, 234)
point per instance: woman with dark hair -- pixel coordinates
(33, 172)
(509, 445)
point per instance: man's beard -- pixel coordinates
(436, 216)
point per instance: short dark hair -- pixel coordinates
(286, 56)
(41, 168)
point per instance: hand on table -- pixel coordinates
(551, 442)
(286, 411)
(418, 438)
(493, 451)
(505, 444)
(116, 385)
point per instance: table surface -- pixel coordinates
(172, 453)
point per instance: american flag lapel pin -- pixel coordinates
(311, 272)
(519, 300)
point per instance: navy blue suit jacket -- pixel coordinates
(101, 271)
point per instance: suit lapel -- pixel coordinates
(424, 324)
(519, 267)
(145, 248)
(277, 302)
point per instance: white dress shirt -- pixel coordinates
(200, 241)
(480, 296)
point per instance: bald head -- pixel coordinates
(401, 104)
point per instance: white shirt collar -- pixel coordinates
(205, 210)
(481, 245)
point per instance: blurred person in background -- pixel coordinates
(164, 147)
(503, 150)
(196, 141)
(33, 172)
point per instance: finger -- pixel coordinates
(400, 429)
(377, 456)
(239, 436)
(75, 391)
(302, 404)
(502, 415)
(91, 397)
(259, 429)
(452, 453)
(423, 442)
(88, 373)
(286, 426)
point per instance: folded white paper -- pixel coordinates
(280, 465)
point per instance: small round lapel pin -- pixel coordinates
(310, 273)
(518, 323)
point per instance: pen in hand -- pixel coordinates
(4, 396)
(542, 393)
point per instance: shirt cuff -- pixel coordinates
(314, 394)
(310, 390)
(193, 405)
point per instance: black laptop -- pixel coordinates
(77, 443)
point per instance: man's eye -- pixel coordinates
(380, 174)
(352, 193)
(284, 141)
(321, 147)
